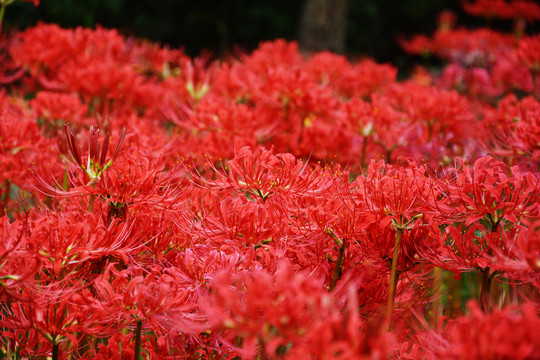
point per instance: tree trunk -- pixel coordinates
(323, 25)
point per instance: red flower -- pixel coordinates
(529, 53)
(487, 192)
(95, 165)
(261, 175)
(160, 300)
(19, 261)
(36, 2)
(56, 108)
(513, 130)
(509, 333)
(289, 313)
(513, 9)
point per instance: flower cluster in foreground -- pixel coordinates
(270, 205)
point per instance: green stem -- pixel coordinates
(91, 205)
(512, 292)
(55, 351)
(437, 285)
(138, 341)
(66, 181)
(393, 279)
(337, 270)
(485, 290)
(389, 156)
(364, 148)
(487, 293)
(3, 4)
(2, 12)
(263, 353)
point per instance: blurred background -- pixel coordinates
(353, 27)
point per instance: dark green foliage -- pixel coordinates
(373, 26)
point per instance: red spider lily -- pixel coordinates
(384, 130)
(44, 47)
(238, 220)
(77, 242)
(489, 206)
(477, 81)
(423, 45)
(512, 254)
(514, 129)
(300, 110)
(330, 231)
(265, 175)
(200, 263)
(156, 59)
(273, 54)
(25, 343)
(367, 77)
(440, 113)
(198, 77)
(527, 245)
(469, 248)
(21, 144)
(419, 44)
(162, 301)
(417, 121)
(326, 67)
(96, 164)
(56, 108)
(504, 334)
(516, 254)
(513, 9)
(19, 261)
(529, 52)
(132, 183)
(118, 347)
(220, 127)
(188, 261)
(420, 244)
(297, 110)
(122, 347)
(110, 80)
(467, 47)
(67, 249)
(397, 195)
(158, 299)
(301, 319)
(9, 71)
(51, 313)
(483, 63)
(61, 50)
(486, 192)
(141, 182)
(511, 74)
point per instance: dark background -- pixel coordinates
(373, 26)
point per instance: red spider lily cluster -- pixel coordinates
(270, 205)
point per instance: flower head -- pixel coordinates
(96, 164)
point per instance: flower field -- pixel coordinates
(272, 204)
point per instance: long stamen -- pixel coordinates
(119, 145)
(96, 161)
(93, 145)
(73, 148)
(104, 150)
